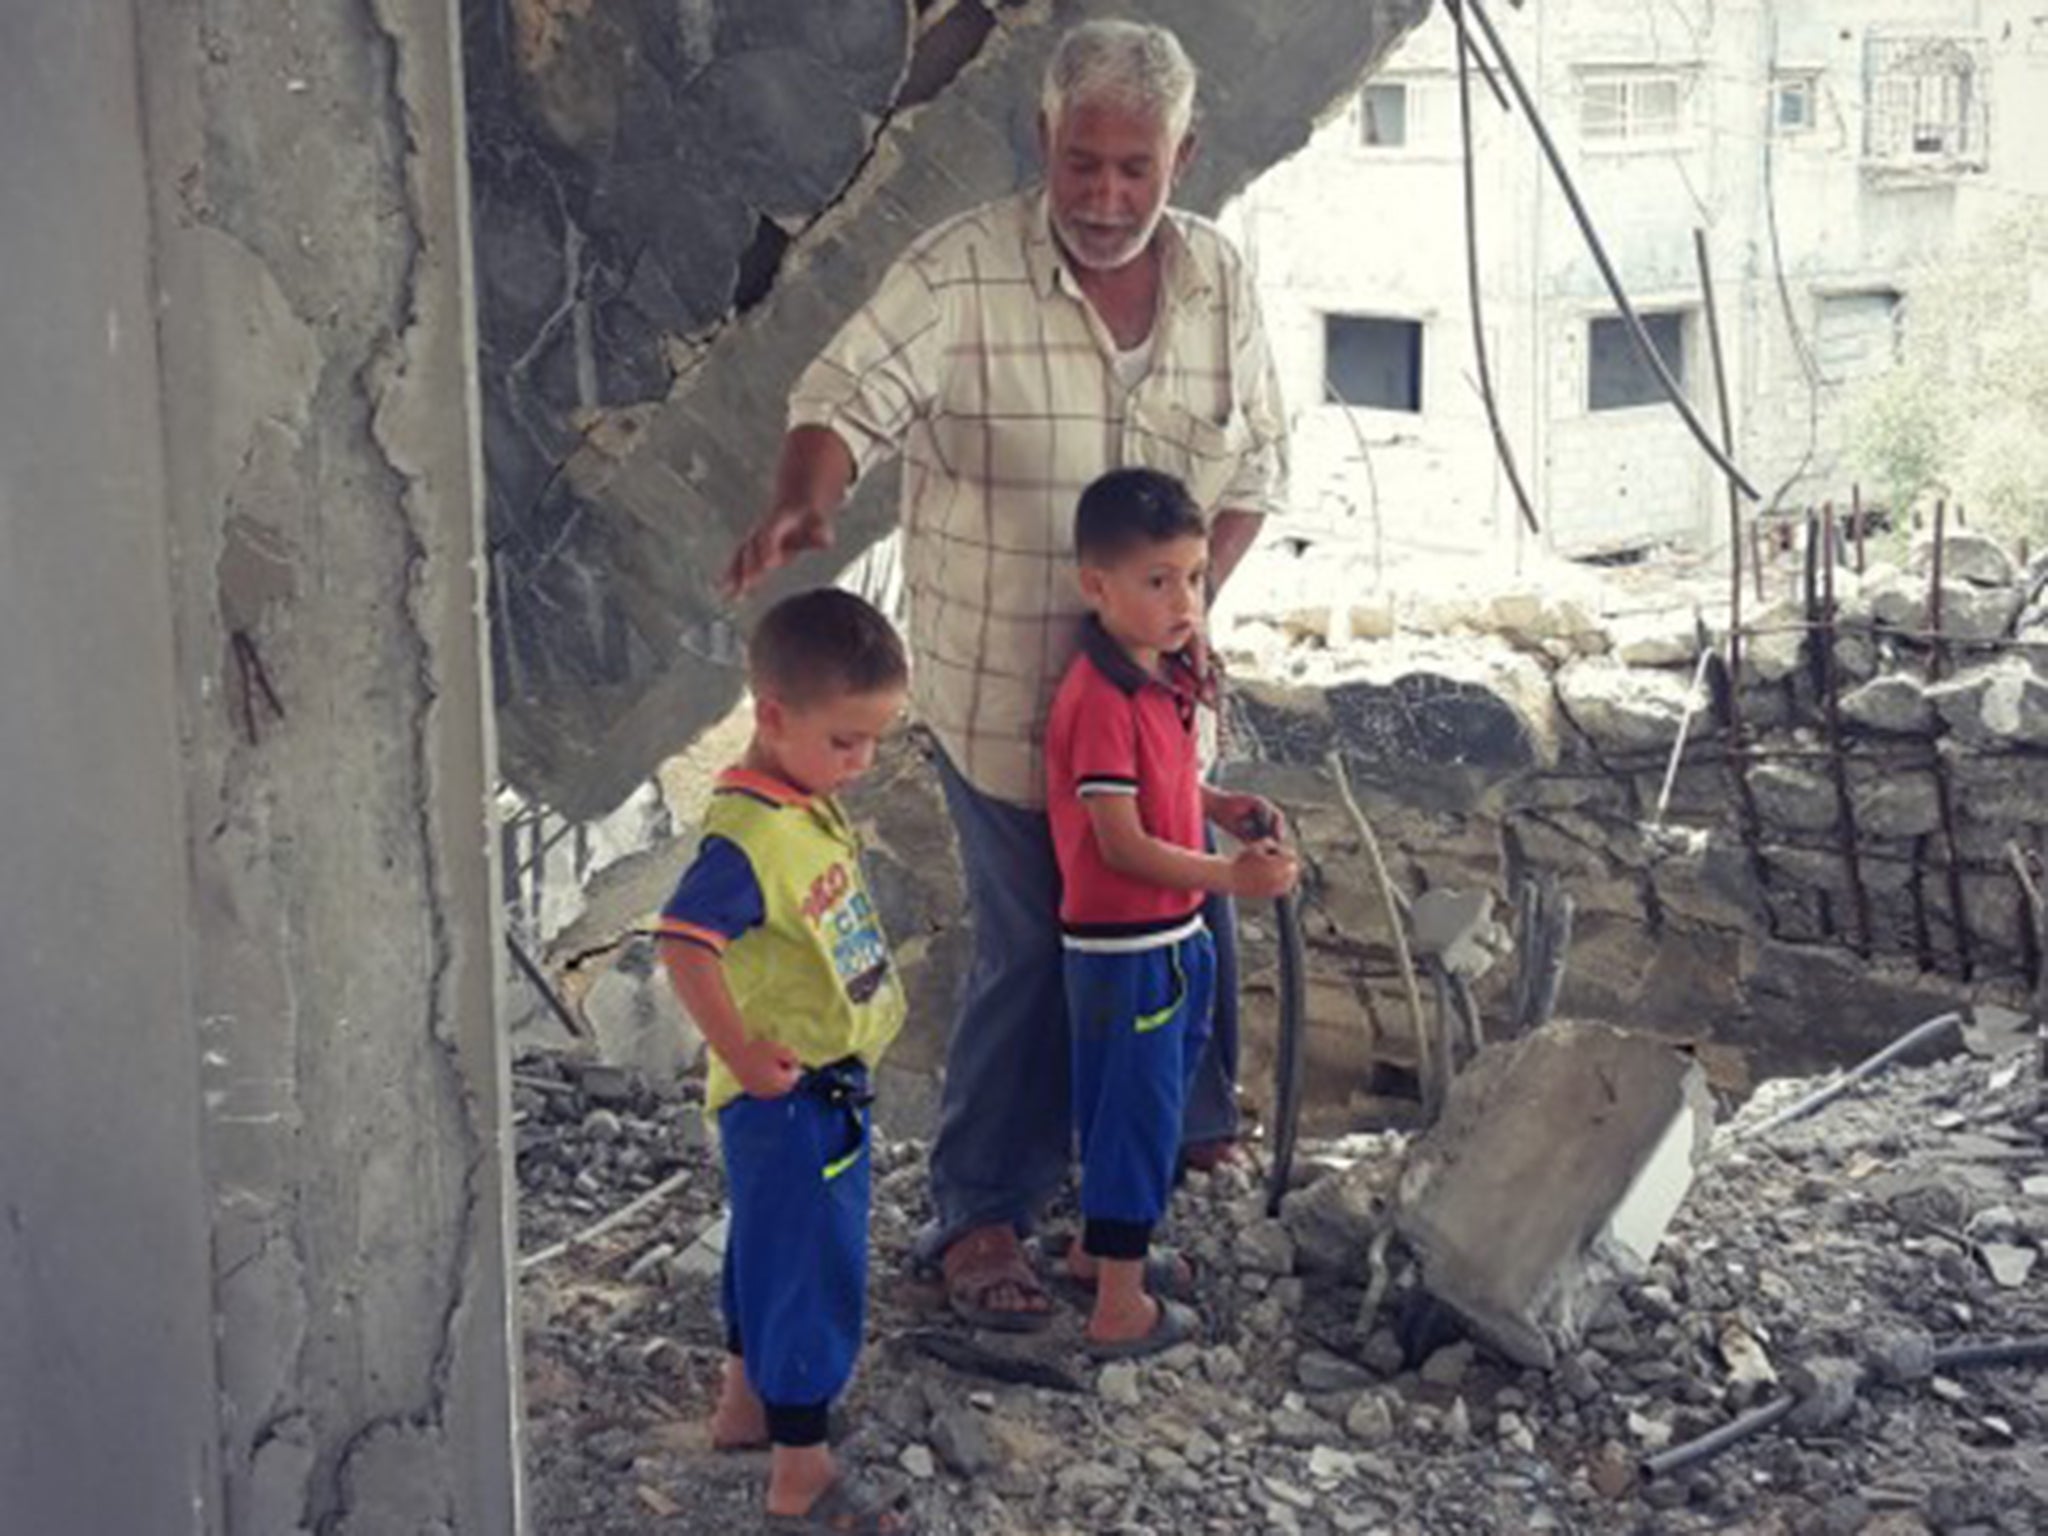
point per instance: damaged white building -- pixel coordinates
(1834, 156)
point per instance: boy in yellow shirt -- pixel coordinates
(774, 948)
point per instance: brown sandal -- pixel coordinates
(982, 1263)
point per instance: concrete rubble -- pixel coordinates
(1559, 1162)
(1834, 1255)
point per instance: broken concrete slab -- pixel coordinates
(638, 1023)
(634, 374)
(1457, 928)
(1558, 1163)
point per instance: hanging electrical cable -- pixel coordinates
(1644, 346)
(1466, 57)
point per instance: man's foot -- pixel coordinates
(990, 1282)
(1208, 1156)
(1168, 1271)
(738, 1422)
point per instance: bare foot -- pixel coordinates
(797, 1475)
(739, 1422)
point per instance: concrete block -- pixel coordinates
(638, 1023)
(1553, 1174)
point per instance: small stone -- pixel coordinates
(1447, 1366)
(1223, 1363)
(1287, 1493)
(918, 1461)
(1371, 1420)
(603, 1125)
(1611, 1470)
(1299, 1427)
(1382, 1352)
(2009, 1265)
(1457, 1425)
(1265, 1248)
(963, 1441)
(1328, 1465)
(1653, 1434)
(1576, 1375)
(1899, 1355)
(1744, 1356)
(1320, 1371)
(1118, 1383)
(1826, 1389)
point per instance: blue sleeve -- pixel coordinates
(718, 898)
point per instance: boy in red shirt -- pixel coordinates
(1127, 806)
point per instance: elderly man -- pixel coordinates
(1012, 355)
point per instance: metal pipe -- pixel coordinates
(1963, 1357)
(1821, 1097)
(1956, 1357)
(1715, 1441)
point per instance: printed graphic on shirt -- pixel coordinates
(840, 910)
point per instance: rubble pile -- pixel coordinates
(1832, 1256)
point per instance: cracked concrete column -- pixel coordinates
(254, 1262)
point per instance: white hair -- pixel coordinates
(1125, 63)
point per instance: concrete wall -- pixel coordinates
(255, 1274)
(106, 1420)
(1340, 228)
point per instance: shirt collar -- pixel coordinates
(1114, 663)
(762, 786)
(1050, 274)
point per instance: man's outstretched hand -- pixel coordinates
(776, 540)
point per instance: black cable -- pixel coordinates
(1644, 345)
(1472, 285)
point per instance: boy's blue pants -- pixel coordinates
(1006, 1136)
(1140, 1022)
(794, 1288)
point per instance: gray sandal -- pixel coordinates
(1177, 1324)
(846, 1508)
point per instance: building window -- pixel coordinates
(1856, 334)
(1632, 105)
(1792, 109)
(1372, 362)
(1383, 116)
(1616, 375)
(1927, 102)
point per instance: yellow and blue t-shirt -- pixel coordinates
(776, 891)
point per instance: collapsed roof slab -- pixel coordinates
(612, 515)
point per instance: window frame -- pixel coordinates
(1634, 128)
(1805, 84)
(1687, 318)
(1903, 74)
(1415, 329)
(1365, 117)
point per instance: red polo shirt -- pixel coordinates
(1119, 730)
